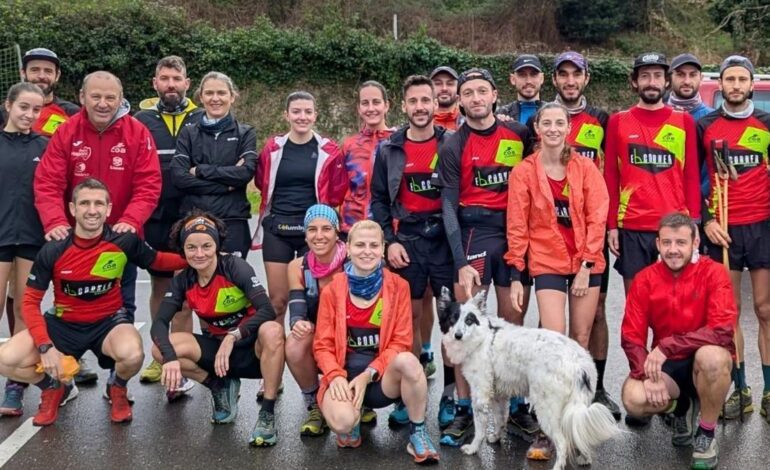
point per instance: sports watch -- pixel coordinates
(43, 348)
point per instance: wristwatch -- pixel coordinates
(43, 348)
(372, 373)
(587, 264)
(235, 333)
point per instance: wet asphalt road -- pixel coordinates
(180, 435)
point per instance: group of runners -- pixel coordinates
(466, 194)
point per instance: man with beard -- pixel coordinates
(738, 134)
(527, 77)
(448, 112)
(651, 168)
(588, 125)
(402, 192)
(473, 169)
(165, 116)
(685, 82)
(690, 357)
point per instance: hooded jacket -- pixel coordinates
(122, 156)
(20, 154)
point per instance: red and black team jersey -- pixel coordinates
(233, 298)
(651, 167)
(363, 326)
(744, 144)
(560, 192)
(478, 162)
(53, 115)
(416, 193)
(86, 276)
(586, 135)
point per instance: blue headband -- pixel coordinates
(323, 211)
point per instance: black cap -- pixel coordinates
(651, 58)
(683, 59)
(444, 69)
(40, 53)
(527, 60)
(473, 74)
(736, 61)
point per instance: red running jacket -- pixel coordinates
(123, 157)
(685, 312)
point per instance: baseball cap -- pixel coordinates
(527, 60)
(573, 57)
(40, 53)
(736, 61)
(650, 58)
(682, 59)
(473, 74)
(444, 69)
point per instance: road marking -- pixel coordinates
(138, 325)
(16, 441)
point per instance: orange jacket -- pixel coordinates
(330, 342)
(532, 228)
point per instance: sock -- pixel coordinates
(463, 407)
(14, 383)
(213, 383)
(707, 428)
(739, 376)
(414, 427)
(426, 348)
(120, 381)
(600, 365)
(46, 383)
(449, 380)
(513, 404)
(682, 405)
(671, 406)
(766, 377)
(310, 397)
(268, 405)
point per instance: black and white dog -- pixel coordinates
(501, 360)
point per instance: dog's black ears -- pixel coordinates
(444, 309)
(480, 301)
(445, 299)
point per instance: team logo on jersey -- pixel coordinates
(755, 139)
(491, 178)
(110, 265)
(650, 159)
(562, 213)
(420, 184)
(590, 136)
(742, 160)
(83, 153)
(230, 300)
(509, 152)
(586, 152)
(80, 169)
(672, 139)
(86, 290)
(117, 163)
(120, 147)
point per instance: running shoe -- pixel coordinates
(264, 434)
(106, 391)
(261, 390)
(421, 447)
(314, 424)
(86, 374)
(637, 421)
(13, 400)
(428, 365)
(764, 409)
(368, 416)
(602, 397)
(705, 452)
(446, 412)
(120, 408)
(732, 408)
(522, 424)
(181, 391)
(50, 401)
(542, 448)
(351, 440)
(399, 415)
(225, 401)
(459, 431)
(151, 373)
(684, 426)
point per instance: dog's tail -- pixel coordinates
(586, 424)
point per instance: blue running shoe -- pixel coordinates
(421, 447)
(351, 440)
(12, 402)
(264, 434)
(446, 412)
(398, 416)
(458, 432)
(225, 401)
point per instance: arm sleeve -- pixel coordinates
(705, 177)
(519, 201)
(324, 342)
(180, 170)
(234, 175)
(449, 181)
(612, 172)
(596, 204)
(146, 182)
(50, 184)
(244, 277)
(381, 203)
(297, 299)
(33, 316)
(633, 331)
(692, 181)
(721, 319)
(144, 256)
(401, 340)
(171, 304)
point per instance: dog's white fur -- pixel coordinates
(501, 360)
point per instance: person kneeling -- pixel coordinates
(688, 303)
(86, 269)
(242, 339)
(363, 344)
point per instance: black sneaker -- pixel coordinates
(684, 426)
(603, 398)
(458, 432)
(523, 424)
(86, 374)
(637, 421)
